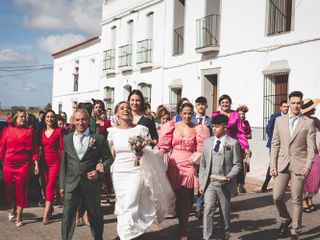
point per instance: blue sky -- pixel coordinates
(31, 30)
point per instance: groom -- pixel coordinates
(79, 180)
(220, 164)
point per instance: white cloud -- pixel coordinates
(68, 15)
(55, 43)
(9, 56)
(29, 87)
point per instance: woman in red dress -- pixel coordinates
(18, 147)
(52, 150)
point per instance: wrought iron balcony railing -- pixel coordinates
(144, 51)
(178, 36)
(108, 59)
(208, 32)
(125, 56)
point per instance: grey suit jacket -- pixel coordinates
(73, 170)
(298, 150)
(228, 159)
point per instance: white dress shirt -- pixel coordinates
(222, 140)
(81, 142)
(293, 122)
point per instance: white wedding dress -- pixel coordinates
(143, 193)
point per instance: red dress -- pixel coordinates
(18, 147)
(52, 153)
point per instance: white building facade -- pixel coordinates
(255, 51)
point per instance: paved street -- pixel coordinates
(253, 218)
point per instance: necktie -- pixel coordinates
(217, 146)
(200, 120)
(291, 127)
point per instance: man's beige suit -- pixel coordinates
(289, 155)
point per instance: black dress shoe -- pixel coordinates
(284, 227)
(294, 237)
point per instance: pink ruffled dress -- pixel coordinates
(182, 173)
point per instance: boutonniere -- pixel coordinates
(92, 142)
(226, 147)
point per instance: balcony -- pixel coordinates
(208, 33)
(178, 41)
(144, 53)
(125, 57)
(108, 61)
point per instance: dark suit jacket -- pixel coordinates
(151, 125)
(270, 127)
(74, 170)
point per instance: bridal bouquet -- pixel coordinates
(137, 144)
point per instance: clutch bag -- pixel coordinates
(216, 178)
(195, 158)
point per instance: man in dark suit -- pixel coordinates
(201, 118)
(284, 108)
(79, 180)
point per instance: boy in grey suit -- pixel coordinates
(220, 164)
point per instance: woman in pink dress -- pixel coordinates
(183, 138)
(312, 183)
(52, 151)
(236, 131)
(18, 147)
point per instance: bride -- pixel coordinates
(143, 193)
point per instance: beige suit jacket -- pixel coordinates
(298, 150)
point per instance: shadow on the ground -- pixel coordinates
(263, 200)
(267, 234)
(313, 233)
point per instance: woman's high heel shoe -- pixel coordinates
(19, 224)
(11, 217)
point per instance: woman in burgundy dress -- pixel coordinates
(18, 147)
(52, 150)
(235, 131)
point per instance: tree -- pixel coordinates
(48, 107)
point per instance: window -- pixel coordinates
(76, 76)
(130, 32)
(178, 28)
(146, 91)
(275, 91)
(113, 37)
(175, 95)
(150, 25)
(280, 13)
(59, 107)
(109, 97)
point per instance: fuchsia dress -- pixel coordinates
(235, 128)
(52, 153)
(182, 173)
(18, 147)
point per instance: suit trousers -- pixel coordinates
(279, 189)
(92, 202)
(211, 196)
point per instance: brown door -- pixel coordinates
(211, 91)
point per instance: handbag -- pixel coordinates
(195, 158)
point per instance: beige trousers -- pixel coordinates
(279, 189)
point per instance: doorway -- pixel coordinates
(210, 91)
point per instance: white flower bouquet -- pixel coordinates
(137, 144)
